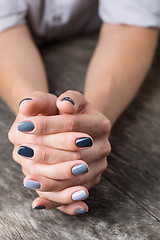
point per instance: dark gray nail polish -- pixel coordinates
(25, 151)
(32, 184)
(24, 100)
(84, 142)
(79, 195)
(68, 99)
(80, 211)
(39, 207)
(79, 169)
(25, 126)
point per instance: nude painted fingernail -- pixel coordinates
(79, 169)
(25, 126)
(68, 99)
(79, 195)
(25, 99)
(32, 184)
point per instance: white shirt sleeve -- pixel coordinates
(142, 13)
(12, 13)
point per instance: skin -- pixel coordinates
(117, 75)
(52, 164)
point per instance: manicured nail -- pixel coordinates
(32, 184)
(68, 99)
(79, 169)
(25, 151)
(80, 211)
(79, 195)
(39, 207)
(84, 142)
(24, 100)
(25, 126)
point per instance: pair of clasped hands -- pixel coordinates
(61, 144)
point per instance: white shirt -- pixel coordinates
(55, 19)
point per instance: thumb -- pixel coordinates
(38, 103)
(71, 102)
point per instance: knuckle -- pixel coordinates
(32, 168)
(109, 149)
(106, 125)
(11, 136)
(64, 141)
(49, 187)
(62, 173)
(71, 124)
(24, 171)
(44, 127)
(106, 149)
(14, 155)
(79, 180)
(97, 179)
(105, 164)
(76, 155)
(36, 139)
(44, 157)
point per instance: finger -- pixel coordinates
(28, 154)
(38, 103)
(44, 154)
(72, 141)
(66, 196)
(74, 208)
(42, 203)
(71, 209)
(61, 171)
(46, 184)
(88, 123)
(71, 102)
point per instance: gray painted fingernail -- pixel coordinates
(24, 100)
(25, 126)
(39, 207)
(84, 142)
(80, 211)
(68, 99)
(79, 195)
(32, 184)
(79, 169)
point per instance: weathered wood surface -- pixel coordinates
(126, 203)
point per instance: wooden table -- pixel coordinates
(126, 203)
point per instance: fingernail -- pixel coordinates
(24, 100)
(67, 99)
(80, 211)
(39, 207)
(32, 184)
(25, 126)
(79, 169)
(79, 195)
(84, 142)
(25, 151)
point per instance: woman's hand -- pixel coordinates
(55, 154)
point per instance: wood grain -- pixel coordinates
(125, 205)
